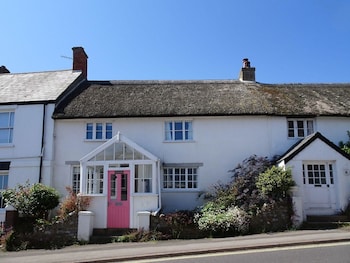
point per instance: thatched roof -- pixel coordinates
(204, 98)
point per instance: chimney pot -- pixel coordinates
(3, 69)
(80, 60)
(247, 73)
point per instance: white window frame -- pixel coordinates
(8, 128)
(76, 177)
(180, 178)
(319, 176)
(95, 180)
(100, 131)
(304, 126)
(171, 132)
(143, 181)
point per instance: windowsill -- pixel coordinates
(144, 194)
(188, 141)
(6, 145)
(181, 190)
(96, 140)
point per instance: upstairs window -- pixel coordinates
(99, 131)
(6, 127)
(300, 128)
(178, 131)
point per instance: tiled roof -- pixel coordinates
(35, 87)
(204, 98)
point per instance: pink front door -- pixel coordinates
(118, 199)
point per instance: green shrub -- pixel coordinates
(32, 200)
(275, 182)
(345, 146)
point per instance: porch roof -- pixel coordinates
(303, 143)
(119, 138)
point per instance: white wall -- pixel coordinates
(220, 143)
(25, 151)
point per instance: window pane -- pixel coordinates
(310, 127)
(99, 133)
(4, 120)
(108, 130)
(89, 131)
(168, 131)
(300, 125)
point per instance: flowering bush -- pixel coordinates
(214, 218)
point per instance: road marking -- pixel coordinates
(215, 254)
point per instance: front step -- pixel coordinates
(108, 235)
(325, 222)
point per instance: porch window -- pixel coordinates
(98, 131)
(76, 179)
(180, 178)
(95, 179)
(6, 127)
(300, 128)
(318, 174)
(178, 131)
(143, 178)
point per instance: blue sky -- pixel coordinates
(289, 41)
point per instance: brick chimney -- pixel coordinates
(247, 73)
(3, 69)
(80, 60)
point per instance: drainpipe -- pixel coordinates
(159, 190)
(42, 143)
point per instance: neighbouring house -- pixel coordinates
(138, 147)
(27, 102)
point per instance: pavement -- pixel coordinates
(119, 252)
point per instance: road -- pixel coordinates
(322, 253)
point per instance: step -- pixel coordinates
(330, 218)
(108, 235)
(112, 231)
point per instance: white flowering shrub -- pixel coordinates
(220, 219)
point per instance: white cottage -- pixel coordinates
(139, 146)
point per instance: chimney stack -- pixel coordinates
(80, 60)
(247, 73)
(3, 69)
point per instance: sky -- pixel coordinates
(287, 41)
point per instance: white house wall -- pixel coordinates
(25, 151)
(219, 144)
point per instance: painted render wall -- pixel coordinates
(319, 151)
(25, 151)
(220, 143)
